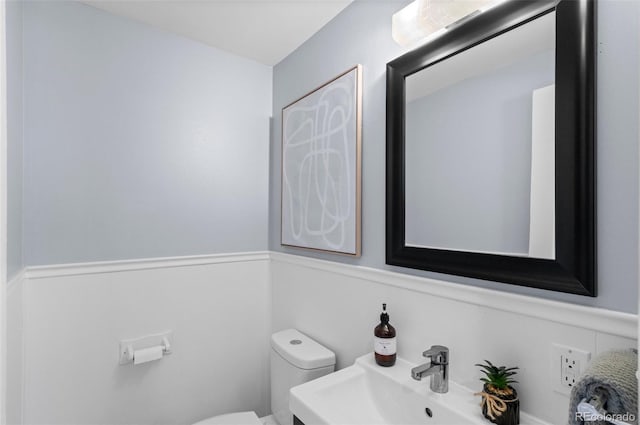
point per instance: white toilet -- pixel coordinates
(295, 359)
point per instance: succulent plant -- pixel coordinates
(499, 377)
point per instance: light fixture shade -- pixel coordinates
(404, 25)
(422, 19)
(434, 15)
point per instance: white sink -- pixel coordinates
(368, 394)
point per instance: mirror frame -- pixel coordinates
(574, 268)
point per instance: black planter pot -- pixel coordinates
(511, 416)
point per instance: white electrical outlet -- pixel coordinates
(568, 365)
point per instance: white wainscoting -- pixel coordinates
(339, 305)
(15, 350)
(218, 308)
(65, 322)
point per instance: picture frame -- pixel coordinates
(322, 167)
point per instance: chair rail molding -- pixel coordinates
(41, 272)
(597, 319)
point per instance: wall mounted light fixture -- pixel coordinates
(422, 20)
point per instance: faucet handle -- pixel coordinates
(439, 354)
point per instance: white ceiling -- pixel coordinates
(262, 30)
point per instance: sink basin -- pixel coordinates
(368, 394)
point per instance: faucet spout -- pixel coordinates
(426, 370)
(437, 368)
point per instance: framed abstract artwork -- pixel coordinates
(321, 167)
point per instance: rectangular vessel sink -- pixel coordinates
(368, 394)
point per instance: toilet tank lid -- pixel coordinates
(300, 350)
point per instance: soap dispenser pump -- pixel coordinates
(384, 345)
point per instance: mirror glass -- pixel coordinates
(479, 147)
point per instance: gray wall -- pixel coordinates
(138, 143)
(13, 317)
(362, 34)
(14, 137)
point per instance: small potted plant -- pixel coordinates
(500, 402)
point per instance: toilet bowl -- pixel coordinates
(295, 358)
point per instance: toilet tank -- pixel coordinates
(295, 359)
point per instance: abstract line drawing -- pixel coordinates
(321, 169)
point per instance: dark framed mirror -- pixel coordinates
(490, 168)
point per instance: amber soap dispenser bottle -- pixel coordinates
(384, 344)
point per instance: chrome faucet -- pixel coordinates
(437, 368)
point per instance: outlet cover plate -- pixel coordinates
(568, 363)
